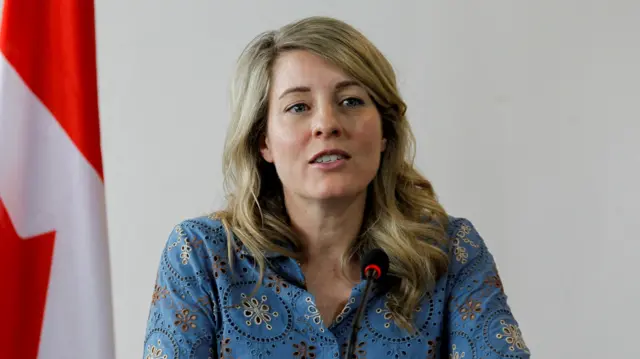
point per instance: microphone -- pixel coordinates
(375, 265)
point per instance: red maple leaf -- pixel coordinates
(25, 265)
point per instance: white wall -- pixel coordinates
(527, 115)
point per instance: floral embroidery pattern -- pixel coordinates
(340, 317)
(219, 266)
(180, 237)
(155, 353)
(159, 293)
(455, 354)
(313, 314)
(225, 349)
(460, 252)
(257, 312)
(185, 252)
(433, 348)
(463, 233)
(386, 314)
(512, 336)
(185, 320)
(239, 249)
(276, 283)
(358, 351)
(470, 309)
(304, 351)
(199, 308)
(186, 248)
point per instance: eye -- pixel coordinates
(299, 107)
(352, 102)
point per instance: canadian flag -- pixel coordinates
(55, 294)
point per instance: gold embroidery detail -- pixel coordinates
(219, 266)
(464, 230)
(185, 320)
(155, 353)
(276, 283)
(345, 310)
(433, 348)
(470, 309)
(460, 252)
(358, 351)
(257, 312)
(159, 293)
(185, 251)
(512, 335)
(386, 314)
(225, 350)
(180, 231)
(463, 233)
(314, 313)
(455, 354)
(304, 351)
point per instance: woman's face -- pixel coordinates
(324, 132)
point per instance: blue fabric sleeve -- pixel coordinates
(182, 316)
(480, 323)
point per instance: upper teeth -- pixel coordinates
(328, 158)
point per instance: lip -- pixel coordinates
(330, 152)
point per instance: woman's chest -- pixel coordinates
(281, 320)
(329, 296)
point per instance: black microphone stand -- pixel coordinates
(348, 354)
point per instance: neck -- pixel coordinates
(326, 228)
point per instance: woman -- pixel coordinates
(319, 170)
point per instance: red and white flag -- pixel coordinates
(55, 294)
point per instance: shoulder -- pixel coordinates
(192, 244)
(183, 315)
(466, 246)
(477, 300)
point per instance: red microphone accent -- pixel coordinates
(375, 268)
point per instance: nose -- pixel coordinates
(327, 124)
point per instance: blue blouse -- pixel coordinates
(203, 309)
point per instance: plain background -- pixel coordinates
(527, 116)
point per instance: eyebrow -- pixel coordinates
(339, 86)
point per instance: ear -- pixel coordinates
(384, 145)
(265, 150)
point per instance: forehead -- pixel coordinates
(303, 68)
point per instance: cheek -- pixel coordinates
(286, 142)
(369, 135)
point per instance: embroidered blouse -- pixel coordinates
(202, 309)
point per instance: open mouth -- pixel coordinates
(329, 158)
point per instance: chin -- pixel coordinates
(331, 195)
(336, 191)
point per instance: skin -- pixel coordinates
(314, 106)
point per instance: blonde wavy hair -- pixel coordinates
(403, 216)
